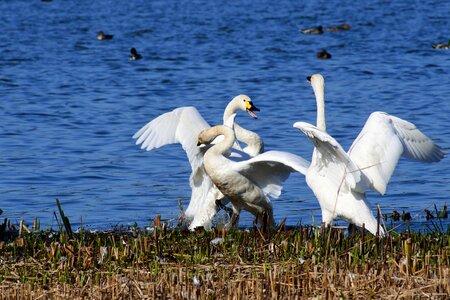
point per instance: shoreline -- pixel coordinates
(171, 263)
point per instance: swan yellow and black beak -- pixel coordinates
(309, 79)
(250, 108)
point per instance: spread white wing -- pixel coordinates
(382, 141)
(332, 161)
(270, 169)
(182, 126)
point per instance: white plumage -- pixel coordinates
(182, 125)
(339, 180)
(248, 184)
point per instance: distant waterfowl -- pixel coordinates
(248, 184)
(134, 55)
(339, 28)
(406, 216)
(182, 126)
(313, 30)
(395, 215)
(323, 54)
(339, 180)
(441, 46)
(101, 36)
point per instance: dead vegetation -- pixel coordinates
(161, 263)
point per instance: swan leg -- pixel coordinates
(235, 217)
(261, 220)
(265, 220)
(268, 221)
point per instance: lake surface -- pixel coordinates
(70, 103)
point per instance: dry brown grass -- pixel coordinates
(247, 264)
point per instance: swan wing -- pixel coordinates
(381, 142)
(202, 206)
(182, 125)
(270, 169)
(331, 161)
(416, 144)
(295, 162)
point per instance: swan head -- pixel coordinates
(205, 138)
(208, 136)
(316, 81)
(243, 102)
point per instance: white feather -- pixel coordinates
(182, 126)
(249, 184)
(339, 180)
(382, 141)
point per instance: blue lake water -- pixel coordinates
(70, 103)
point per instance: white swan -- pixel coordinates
(339, 180)
(248, 184)
(182, 125)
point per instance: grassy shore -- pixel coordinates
(161, 263)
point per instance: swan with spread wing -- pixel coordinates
(248, 184)
(340, 179)
(182, 126)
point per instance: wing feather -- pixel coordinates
(331, 158)
(182, 125)
(270, 169)
(381, 142)
(416, 144)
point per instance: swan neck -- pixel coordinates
(229, 110)
(226, 143)
(254, 142)
(320, 100)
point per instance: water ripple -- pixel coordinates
(71, 103)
